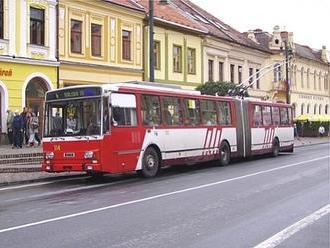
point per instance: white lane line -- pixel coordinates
(155, 197)
(286, 233)
(39, 184)
(68, 190)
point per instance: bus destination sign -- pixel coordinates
(73, 93)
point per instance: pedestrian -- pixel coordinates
(32, 126)
(321, 130)
(17, 130)
(295, 131)
(10, 118)
(25, 137)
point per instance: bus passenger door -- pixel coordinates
(126, 140)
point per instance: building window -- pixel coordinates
(76, 36)
(126, 45)
(308, 78)
(191, 60)
(251, 76)
(210, 70)
(221, 71)
(320, 109)
(258, 79)
(277, 72)
(320, 86)
(308, 107)
(239, 74)
(1, 19)
(37, 26)
(326, 109)
(232, 73)
(302, 109)
(96, 31)
(314, 80)
(157, 55)
(302, 77)
(177, 58)
(315, 109)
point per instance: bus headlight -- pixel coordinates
(50, 155)
(89, 154)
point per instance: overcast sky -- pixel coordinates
(309, 20)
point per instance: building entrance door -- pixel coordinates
(35, 98)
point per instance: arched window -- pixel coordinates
(314, 79)
(320, 87)
(302, 109)
(315, 108)
(326, 109)
(320, 109)
(308, 107)
(308, 78)
(294, 110)
(302, 77)
(326, 78)
(277, 72)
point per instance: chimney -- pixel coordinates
(324, 55)
(252, 36)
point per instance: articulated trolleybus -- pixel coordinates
(141, 127)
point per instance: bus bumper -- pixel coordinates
(53, 167)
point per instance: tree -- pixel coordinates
(220, 88)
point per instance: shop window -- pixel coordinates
(172, 111)
(177, 58)
(191, 60)
(37, 26)
(126, 45)
(76, 36)
(209, 112)
(151, 114)
(96, 31)
(192, 112)
(224, 113)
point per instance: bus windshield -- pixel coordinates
(73, 117)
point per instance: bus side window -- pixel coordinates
(290, 116)
(284, 116)
(151, 115)
(276, 116)
(123, 109)
(192, 112)
(209, 112)
(172, 111)
(257, 118)
(225, 113)
(266, 116)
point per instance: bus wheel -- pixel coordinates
(275, 148)
(224, 154)
(150, 163)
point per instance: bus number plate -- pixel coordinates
(69, 155)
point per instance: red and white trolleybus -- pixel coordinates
(141, 127)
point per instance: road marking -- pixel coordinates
(286, 233)
(69, 190)
(155, 196)
(39, 184)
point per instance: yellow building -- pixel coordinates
(28, 65)
(100, 41)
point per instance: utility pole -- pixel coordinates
(285, 39)
(151, 42)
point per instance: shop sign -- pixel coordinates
(6, 73)
(310, 97)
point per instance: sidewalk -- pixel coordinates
(22, 165)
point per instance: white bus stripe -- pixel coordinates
(286, 233)
(155, 196)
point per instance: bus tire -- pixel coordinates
(275, 148)
(150, 163)
(224, 154)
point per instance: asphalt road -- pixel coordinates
(242, 205)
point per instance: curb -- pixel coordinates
(20, 170)
(311, 144)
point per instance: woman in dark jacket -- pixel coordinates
(17, 130)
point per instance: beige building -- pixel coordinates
(308, 73)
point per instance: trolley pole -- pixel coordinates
(151, 42)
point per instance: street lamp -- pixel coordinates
(288, 54)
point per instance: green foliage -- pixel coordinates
(219, 88)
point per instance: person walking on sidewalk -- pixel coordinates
(25, 136)
(17, 130)
(321, 130)
(10, 118)
(32, 126)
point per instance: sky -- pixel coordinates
(309, 20)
